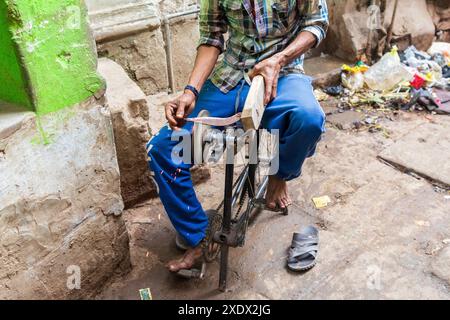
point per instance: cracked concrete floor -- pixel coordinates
(386, 234)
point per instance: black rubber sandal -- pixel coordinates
(304, 249)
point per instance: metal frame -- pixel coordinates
(237, 194)
(233, 231)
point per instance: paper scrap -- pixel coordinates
(321, 202)
(422, 223)
(145, 294)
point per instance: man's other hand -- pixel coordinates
(179, 109)
(270, 70)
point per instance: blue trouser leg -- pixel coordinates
(174, 182)
(300, 120)
(295, 112)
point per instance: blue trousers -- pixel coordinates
(294, 112)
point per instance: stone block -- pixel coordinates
(143, 57)
(60, 204)
(424, 152)
(130, 116)
(350, 20)
(413, 24)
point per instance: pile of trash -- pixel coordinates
(408, 80)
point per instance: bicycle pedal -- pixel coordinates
(193, 273)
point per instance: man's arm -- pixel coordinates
(212, 26)
(211, 44)
(314, 26)
(177, 110)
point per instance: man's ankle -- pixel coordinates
(276, 179)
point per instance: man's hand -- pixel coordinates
(270, 70)
(179, 109)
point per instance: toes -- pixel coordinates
(175, 265)
(172, 267)
(281, 203)
(271, 204)
(289, 200)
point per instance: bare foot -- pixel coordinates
(277, 193)
(187, 261)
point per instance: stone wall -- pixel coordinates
(61, 231)
(132, 34)
(60, 203)
(440, 12)
(143, 57)
(350, 21)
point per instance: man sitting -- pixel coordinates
(268, 38)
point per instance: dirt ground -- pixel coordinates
(386, 234)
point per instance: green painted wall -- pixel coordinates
(56, 50)
(13, 87)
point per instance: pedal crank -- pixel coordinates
(236, 236)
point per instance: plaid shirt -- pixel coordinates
(276, 24)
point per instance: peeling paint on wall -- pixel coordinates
(13, 84)
(54, 50)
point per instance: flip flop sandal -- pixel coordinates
(261, 203)
(304, 248)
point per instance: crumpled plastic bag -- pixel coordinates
(441, 48)
(423, 63)
(387, 73)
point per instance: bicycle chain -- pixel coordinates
(241, 204)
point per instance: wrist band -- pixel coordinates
(192, 89)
